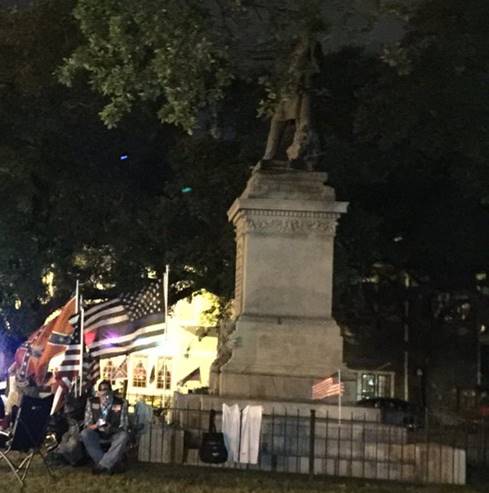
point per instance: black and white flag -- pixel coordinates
(130, 322)
(69, 369)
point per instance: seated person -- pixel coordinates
(106, 419)
(65, 426)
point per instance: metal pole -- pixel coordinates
(406, 337)
(77, 310)
(312, 441)
(82, 346)
(339, 398)
(166, 277)
(478, 376)
(479, 363)
(77, 296)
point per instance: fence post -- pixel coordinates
(273, 455)
(284, 447)
(312, 441)
(427, 446)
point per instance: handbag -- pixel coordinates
(212, 449)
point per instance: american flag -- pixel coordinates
(127, 323)
(69, 368)
(91, 370)
(327, 388)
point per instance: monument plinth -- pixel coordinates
(285, 338)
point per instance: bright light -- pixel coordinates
(167, 347)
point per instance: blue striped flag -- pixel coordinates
(130, 322)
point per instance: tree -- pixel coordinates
(184, 55)
(109, 208)
(69, 199)
(426, 113)
(413, 155)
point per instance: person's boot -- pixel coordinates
(96, 470)
(121, 466)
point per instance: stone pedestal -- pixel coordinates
(285, 337)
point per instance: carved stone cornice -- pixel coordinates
(285, 222)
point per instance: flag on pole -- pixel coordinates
(69, 369)
(27, 356)
(193, 376)
(59, 338)
(91, 370)
(327, 388)
(127, 323)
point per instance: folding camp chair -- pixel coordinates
(28, 435)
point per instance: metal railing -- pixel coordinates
(310, 444)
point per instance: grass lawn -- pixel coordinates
(153, 478)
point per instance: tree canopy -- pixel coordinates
(107, 207)
(184, 55)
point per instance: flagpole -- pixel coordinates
(77, 309)
(339, 397)
(82, 344)
(166, 276)
(77, 296)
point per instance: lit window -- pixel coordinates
(163, 378)
(109, 371)
(139, 375)
(368, 385)
(374, 384)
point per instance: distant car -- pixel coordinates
(395, 411)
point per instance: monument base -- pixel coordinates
(275, 407)
(280, 358)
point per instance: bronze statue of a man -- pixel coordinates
(292, 136)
